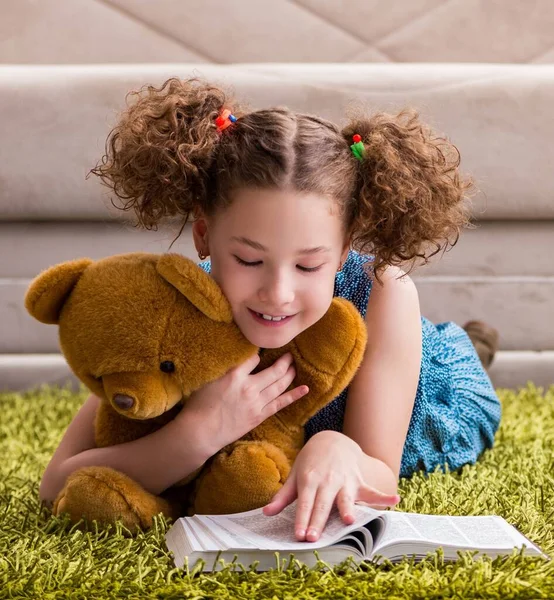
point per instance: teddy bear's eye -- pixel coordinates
(167, 366)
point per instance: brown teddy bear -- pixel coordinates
(142, 332)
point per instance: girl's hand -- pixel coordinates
(236, 403)
(327, 468)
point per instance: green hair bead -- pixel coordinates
(358, 147)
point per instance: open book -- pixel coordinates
(373, 536)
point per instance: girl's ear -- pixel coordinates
(49, 291)
(200, 232)
(196, 285)
(344, 254)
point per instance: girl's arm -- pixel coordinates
(381, 396)
(156, 461)
(363, 462)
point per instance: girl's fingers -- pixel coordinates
(249, 364)
(282, 498)
(345, 504)
(278, 370)
(284, 400)
(370, 495)
(304, 506)
(278, 387)
(322, 505)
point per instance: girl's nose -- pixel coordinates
(277, 292)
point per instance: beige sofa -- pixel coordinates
(54, 121)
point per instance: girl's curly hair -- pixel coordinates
(405, 200)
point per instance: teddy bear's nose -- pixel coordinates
(167, 366)
(124, 402)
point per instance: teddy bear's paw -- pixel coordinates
(106, 495)
(326, 358)
(335, 341)
(244, 478)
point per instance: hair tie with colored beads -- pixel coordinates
(358, 147)
(224, 119)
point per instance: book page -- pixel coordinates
(455, 531)
(227, 539)
(207, 539)
(277, 532)
(194, 541)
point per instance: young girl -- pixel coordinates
(293, 211)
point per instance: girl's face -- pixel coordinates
(274, 253)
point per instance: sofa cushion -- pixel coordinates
(55, 120)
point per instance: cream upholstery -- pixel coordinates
(55, 119)
(323, 31)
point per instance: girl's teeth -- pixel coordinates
(269, 318)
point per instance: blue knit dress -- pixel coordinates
(456, 411)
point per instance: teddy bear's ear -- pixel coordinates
(196, 285)
(48, 292)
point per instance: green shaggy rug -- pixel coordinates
(43, 557)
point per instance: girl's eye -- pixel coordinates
(255, 264)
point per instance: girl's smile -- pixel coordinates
(270, 322)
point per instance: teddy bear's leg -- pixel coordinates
(243, 477)
(326, 358)
(107, 495)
